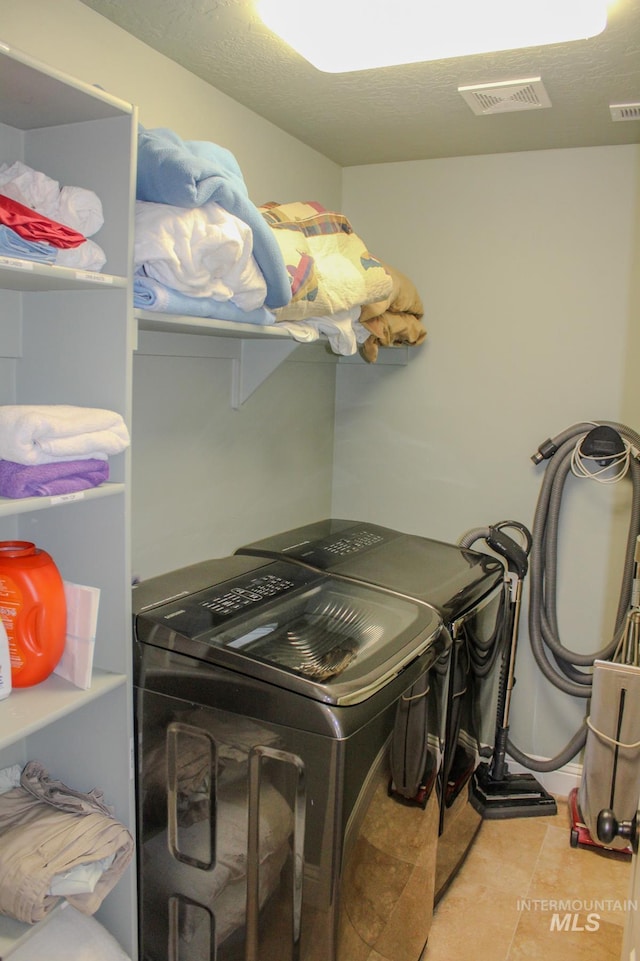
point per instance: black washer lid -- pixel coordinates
(451, 578)
(296, 628)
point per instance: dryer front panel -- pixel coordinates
(263, 842)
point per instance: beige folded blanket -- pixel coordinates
(394, 321)
(47, 829)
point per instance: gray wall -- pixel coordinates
(208, 478)
(528, 267)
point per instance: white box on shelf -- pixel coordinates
(76, 663)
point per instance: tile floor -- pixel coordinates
(497, 907)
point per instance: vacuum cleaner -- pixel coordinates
(610, 784)
(494, 792)
(606, 452)
(603, 808)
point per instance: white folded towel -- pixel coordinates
(202, 251)
(43, 434)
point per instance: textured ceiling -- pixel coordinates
(411, 112)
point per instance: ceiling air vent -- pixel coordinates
(625, 111)
(486, 98)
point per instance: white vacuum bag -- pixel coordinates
(611, 767)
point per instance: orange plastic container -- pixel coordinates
(33, 611)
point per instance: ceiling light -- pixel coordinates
(343, 35)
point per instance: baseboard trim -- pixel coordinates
(559, 783)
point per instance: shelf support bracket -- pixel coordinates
(256, 360)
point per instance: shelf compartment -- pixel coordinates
(25, 275)
(9, 506)
(29, 709)
(37, 95)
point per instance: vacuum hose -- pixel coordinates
(562, 667)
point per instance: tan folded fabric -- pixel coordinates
(47, 829)
(395, 321)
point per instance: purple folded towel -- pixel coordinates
(60, 477)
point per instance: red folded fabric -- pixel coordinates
(30, 225)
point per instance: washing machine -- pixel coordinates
(467, 588)
(267, 699)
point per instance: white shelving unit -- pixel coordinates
(66, 337)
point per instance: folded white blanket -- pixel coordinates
(81, 209)
(30, 187)
(75, 207)
(86, 256)
(202, 251)
(32, 434)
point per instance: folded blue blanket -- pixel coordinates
(188, 173)
(150, 294)
(60, 477)
(13, 245)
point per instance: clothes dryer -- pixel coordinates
(467, 589)
(266, 700)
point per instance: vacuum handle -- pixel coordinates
(608, 828)
(514, 555)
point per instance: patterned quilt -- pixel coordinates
(329, 267)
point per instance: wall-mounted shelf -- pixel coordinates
(179, 324)
(29, 709)
(387, 357)
(25, 275)
(256, 351)
(23, 505)
(253, 360)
